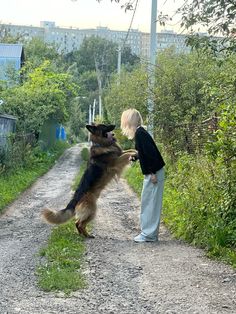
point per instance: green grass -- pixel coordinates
(63, 254)
(14, 181)
(83, 165)
(79, 175)
(61, 269)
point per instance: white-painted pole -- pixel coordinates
(119, 64)
(90, 114)
(94, 108)
(99, 89)
(151, 67)
(89, 120)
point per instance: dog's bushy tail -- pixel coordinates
(58, 217)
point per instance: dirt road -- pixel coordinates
(124, 277)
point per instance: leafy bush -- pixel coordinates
(198, 206)
(16, 153)
(45, 95)
(199, 202)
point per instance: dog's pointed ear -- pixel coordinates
(110, 127)
(91, 128)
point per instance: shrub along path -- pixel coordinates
(123, 277)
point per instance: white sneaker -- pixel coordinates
(141, 238)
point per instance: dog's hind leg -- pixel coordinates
(85, 213)
(79, 227)
(83, 227)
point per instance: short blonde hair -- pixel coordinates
(130, 120)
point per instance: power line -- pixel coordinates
(131, 23)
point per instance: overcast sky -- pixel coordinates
(84, 13)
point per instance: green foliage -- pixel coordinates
(222, 91)
(44, 95)
(95, 62)
(59, 87)
(200, 191)
(64, 255)
(198, 206)
(76, 122)
(122, 140)
(85, 154)
(180, 103)
(101, 51)
(37, 52)
(12, 76)
(88, 82)
(186, 93)
(189, 89)
(16, 153)
(224, 146)
(130, 93)
(134, 177)
(217, 16)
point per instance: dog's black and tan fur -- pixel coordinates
(107, 160)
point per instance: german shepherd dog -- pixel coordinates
(106, 162)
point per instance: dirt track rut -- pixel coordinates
(123, 277)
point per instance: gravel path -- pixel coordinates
(124, 277)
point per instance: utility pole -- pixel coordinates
(151, 67)
(119, 64)
(99, 89)
(90, 114)
(94, 108)
(90, 119)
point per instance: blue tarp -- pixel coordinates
(61, 133)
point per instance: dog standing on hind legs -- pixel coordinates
(106, 162)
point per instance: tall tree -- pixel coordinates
(37, 51)
(218, 17)
(131, 92)
(93, 65)
(96, 52)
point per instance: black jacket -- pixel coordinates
(149, 156)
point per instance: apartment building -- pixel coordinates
(69, 39)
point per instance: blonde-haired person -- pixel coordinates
(152, 166)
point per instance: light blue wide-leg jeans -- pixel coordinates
(151, 205)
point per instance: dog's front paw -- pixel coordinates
(134, 157)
